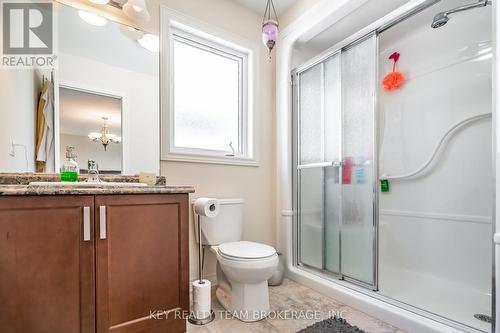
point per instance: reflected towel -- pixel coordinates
(45, 158)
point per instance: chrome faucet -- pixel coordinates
(93, 170)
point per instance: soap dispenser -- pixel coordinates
(70, 169)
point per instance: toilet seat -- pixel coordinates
(245, 251)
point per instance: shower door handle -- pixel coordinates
(335, 164)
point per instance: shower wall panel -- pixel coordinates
(435, 229)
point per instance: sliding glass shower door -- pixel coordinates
(334, 140)
(319, 164)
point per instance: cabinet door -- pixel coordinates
(142, 262)
(47, 265)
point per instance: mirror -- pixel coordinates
(91, 123)
(102, 99)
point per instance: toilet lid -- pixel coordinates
(246, 250)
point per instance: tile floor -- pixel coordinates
(292, 299)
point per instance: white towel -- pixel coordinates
(46, 149)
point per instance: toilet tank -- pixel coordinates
(227, 226)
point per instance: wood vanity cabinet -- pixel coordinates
(93, 264)
(141, 262)
(46, 267)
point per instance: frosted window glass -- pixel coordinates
(320, 141)
(206, 99)
(333, 109)
(311, 217)
(358, 84)
(333, 215)
(311, 120)
(331, 139)
(320, 112)
(336, 113)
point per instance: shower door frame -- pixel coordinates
(376, 28)
(295, 172)
(335, 164)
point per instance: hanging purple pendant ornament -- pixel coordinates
(270, 27)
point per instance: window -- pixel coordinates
(209, 113)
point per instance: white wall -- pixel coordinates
(140, 113)
(18, 103)
(444, 215)
(435, 230)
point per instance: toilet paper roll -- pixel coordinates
(201, 299)
(206, 207)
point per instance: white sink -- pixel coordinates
(88, 185)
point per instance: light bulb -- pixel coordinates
(150, 42)
(137, 10)
(92, 18)
(100, 2)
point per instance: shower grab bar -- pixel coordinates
(438, 147)
(336, 164)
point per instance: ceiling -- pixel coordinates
(347, 26)
(259, 6)
(81, 112)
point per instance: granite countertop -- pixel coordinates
(18, 184)
(26, 178)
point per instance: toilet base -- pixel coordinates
(247, 302)
(252, 301)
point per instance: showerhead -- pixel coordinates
(439, 20)
(442, 18)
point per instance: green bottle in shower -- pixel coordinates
(70, 169)
(384, 185)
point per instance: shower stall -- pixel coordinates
(423, 240)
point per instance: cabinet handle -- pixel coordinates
(102, 222)
(86, 224)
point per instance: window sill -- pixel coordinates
(237, 161)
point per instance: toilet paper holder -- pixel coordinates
(210, 210)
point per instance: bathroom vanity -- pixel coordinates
(84, 259)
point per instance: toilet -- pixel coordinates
(243, 267)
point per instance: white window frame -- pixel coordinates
(223, 51)
(177, 27)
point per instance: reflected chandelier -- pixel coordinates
(105, 138)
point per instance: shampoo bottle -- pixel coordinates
(347, 170)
